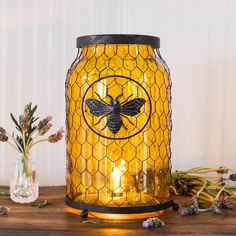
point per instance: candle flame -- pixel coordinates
(116, 179)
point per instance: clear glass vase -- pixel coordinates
(24, 186)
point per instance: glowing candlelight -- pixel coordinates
(115, 181)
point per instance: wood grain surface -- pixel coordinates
(56, 219)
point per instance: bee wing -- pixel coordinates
(97, 108)
(132, 107)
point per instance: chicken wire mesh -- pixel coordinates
(118, 128)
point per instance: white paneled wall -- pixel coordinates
(37, 45)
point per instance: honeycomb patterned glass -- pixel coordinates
(118, 125)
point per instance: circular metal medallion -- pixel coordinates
(116, 107)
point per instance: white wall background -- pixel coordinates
(198, 40)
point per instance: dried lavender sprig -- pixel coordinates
(56, 137)
(154, 222)
(4, 137)
(191, 210)
(44, 125)
(3, 210)
(52, 138)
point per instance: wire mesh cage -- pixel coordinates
(118, 95)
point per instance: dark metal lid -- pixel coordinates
(118, 39)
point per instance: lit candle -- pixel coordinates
(115, 181)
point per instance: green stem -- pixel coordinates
(39, 141)
(16, 143)
(206, 199)
(31, 136)
(174, 189)
(12, 145)
(221, 190)
(23, 141)
(25, 155)
(204, 209)
(201, 189)
(26, 167)
(206, 195)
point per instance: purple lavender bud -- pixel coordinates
(45, 129)
(3, 210)
(191, 210)
(216, 207)
(56, 137)
(232, 177)
(217, 210)
(229, 206)
(3, 136)
(44, 125)
(154, 222)
(222, 170)
(24, 121)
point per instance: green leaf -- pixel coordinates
(42, 204)
(28, 107)
(4, 193)
(33, 129)
(33, 110)
(16, 123)
(91, 221)
(20, 141)
(35, 119)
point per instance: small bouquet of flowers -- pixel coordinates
(29, 133)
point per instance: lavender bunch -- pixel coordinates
(29, 132)
(212, 188)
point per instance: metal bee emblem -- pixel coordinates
(114, 110)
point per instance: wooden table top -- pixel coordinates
(55, 220)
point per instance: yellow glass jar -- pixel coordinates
(118, 125)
